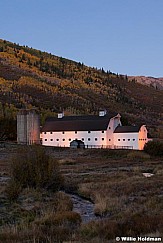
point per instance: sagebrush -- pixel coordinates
(32, 167)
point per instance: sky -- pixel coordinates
(123, 36)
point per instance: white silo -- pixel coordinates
(28, 127)
(22, 127)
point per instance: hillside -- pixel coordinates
(31, 78)
(156, 83)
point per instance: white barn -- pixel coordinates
(101, 131)
(130, 136)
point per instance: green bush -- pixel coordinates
(154, 148)
(32, 167)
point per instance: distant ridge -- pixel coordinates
(156, 83)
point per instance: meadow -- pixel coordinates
(125, 188)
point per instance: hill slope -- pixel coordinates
(156, 83)
(31, 78)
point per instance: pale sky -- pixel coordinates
(123, 36)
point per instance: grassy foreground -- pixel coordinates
(128, 202)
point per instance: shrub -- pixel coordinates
(114, 153)
(63, 202)
(101, 206)
(103, 229)
(13, 190)
(33, 167)
(67, 161)
(71, 185)
(159, 169)
(154, 148)
(67, 219)
(108, 205)
(141, 224)
(138, 155)
(89, 231)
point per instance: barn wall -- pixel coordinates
(128, 140)
(114, 122)
(142, 137)
(64, 139)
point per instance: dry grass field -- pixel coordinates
(124, 187)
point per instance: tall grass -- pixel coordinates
(138, 155)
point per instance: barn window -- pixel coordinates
(109, 127)
(123, 139)
(119, 139)
(69, 139)
(51, 139)
(102, 139)
(89, 139)
(45, 139)
(128, 139)
(63, 132)
(44, 132)
(95, 139)
(109, 139)
(82, 139)
(102, 131)
(57, 139)
(51, 132)
(76, 132)
(63, 139)
(133, 139)
(89, 131)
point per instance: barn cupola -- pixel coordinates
(61, 115)
(102, 113)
